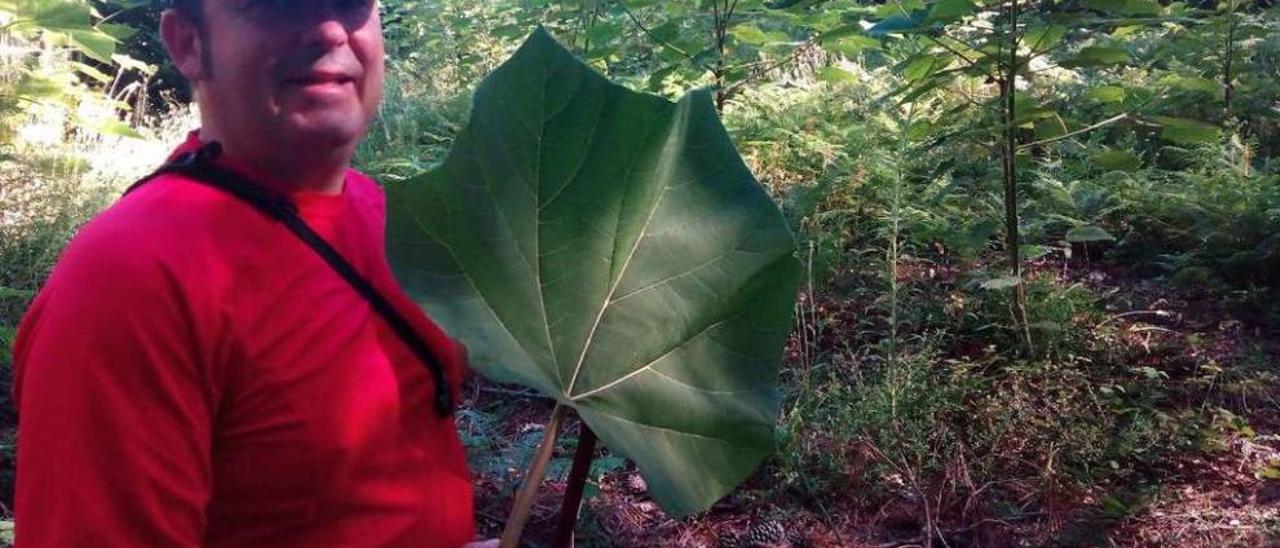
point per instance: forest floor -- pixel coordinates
(1204, 501)
(1204, 498)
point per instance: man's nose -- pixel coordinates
(326, 32)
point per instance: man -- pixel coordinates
(194, 374)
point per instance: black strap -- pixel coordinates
(198, 166)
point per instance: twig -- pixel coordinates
(1161, 313)
(969, 62)
(795, 54)
(517, 393)
(636, 21)
(1085, 129)
(495, 519)
(920, 540)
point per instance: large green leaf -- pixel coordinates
(611, 250)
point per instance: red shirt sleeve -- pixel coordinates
(115, 404)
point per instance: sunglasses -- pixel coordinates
(271, 12)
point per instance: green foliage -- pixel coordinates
(609, 249)
(45, 195)
(411, 133)
(1210, 216)
(64, 50)
(1143, 138)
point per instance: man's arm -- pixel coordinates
(115, 405)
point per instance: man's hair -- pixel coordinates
(191, 9)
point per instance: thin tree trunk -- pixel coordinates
(1228, 89)
(721, 18)
(720, 21)
(1013, 240)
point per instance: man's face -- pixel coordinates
(302, 73)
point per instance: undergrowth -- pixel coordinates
(907, 381)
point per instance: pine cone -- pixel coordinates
(729, 540)
(766, 534)
(797, 539)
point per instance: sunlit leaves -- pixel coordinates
(54, 15)
(1187, 82)
(1124, 7)
(847, 40)
(850, 46)
(69, 20)
(834, 75)
(1001, 283)
(1117, 160)
(1107, 94)
(1088, 234)
(112, 127)
(1043, 38)
(74, 50)
(924, 65)
(93, 43)
(951, 10)
(899, 24)
(92, 72)
(1096, 56)
(750, 34)
(1188, 132)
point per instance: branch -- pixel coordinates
(728, 14)
(1086, 129)
(640, 25)
(531, 394)
(968, 98)
(795, 53)
(953, 51)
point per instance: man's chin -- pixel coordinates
(324, 133)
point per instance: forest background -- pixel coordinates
(1041, 240)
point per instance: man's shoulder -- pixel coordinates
(173, 205)
(167, 217)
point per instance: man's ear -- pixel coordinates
(182, 40)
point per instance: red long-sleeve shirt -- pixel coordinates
(193, 374)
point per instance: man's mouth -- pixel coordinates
(320, 79)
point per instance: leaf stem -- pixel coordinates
(572, 503)
(537, 469)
